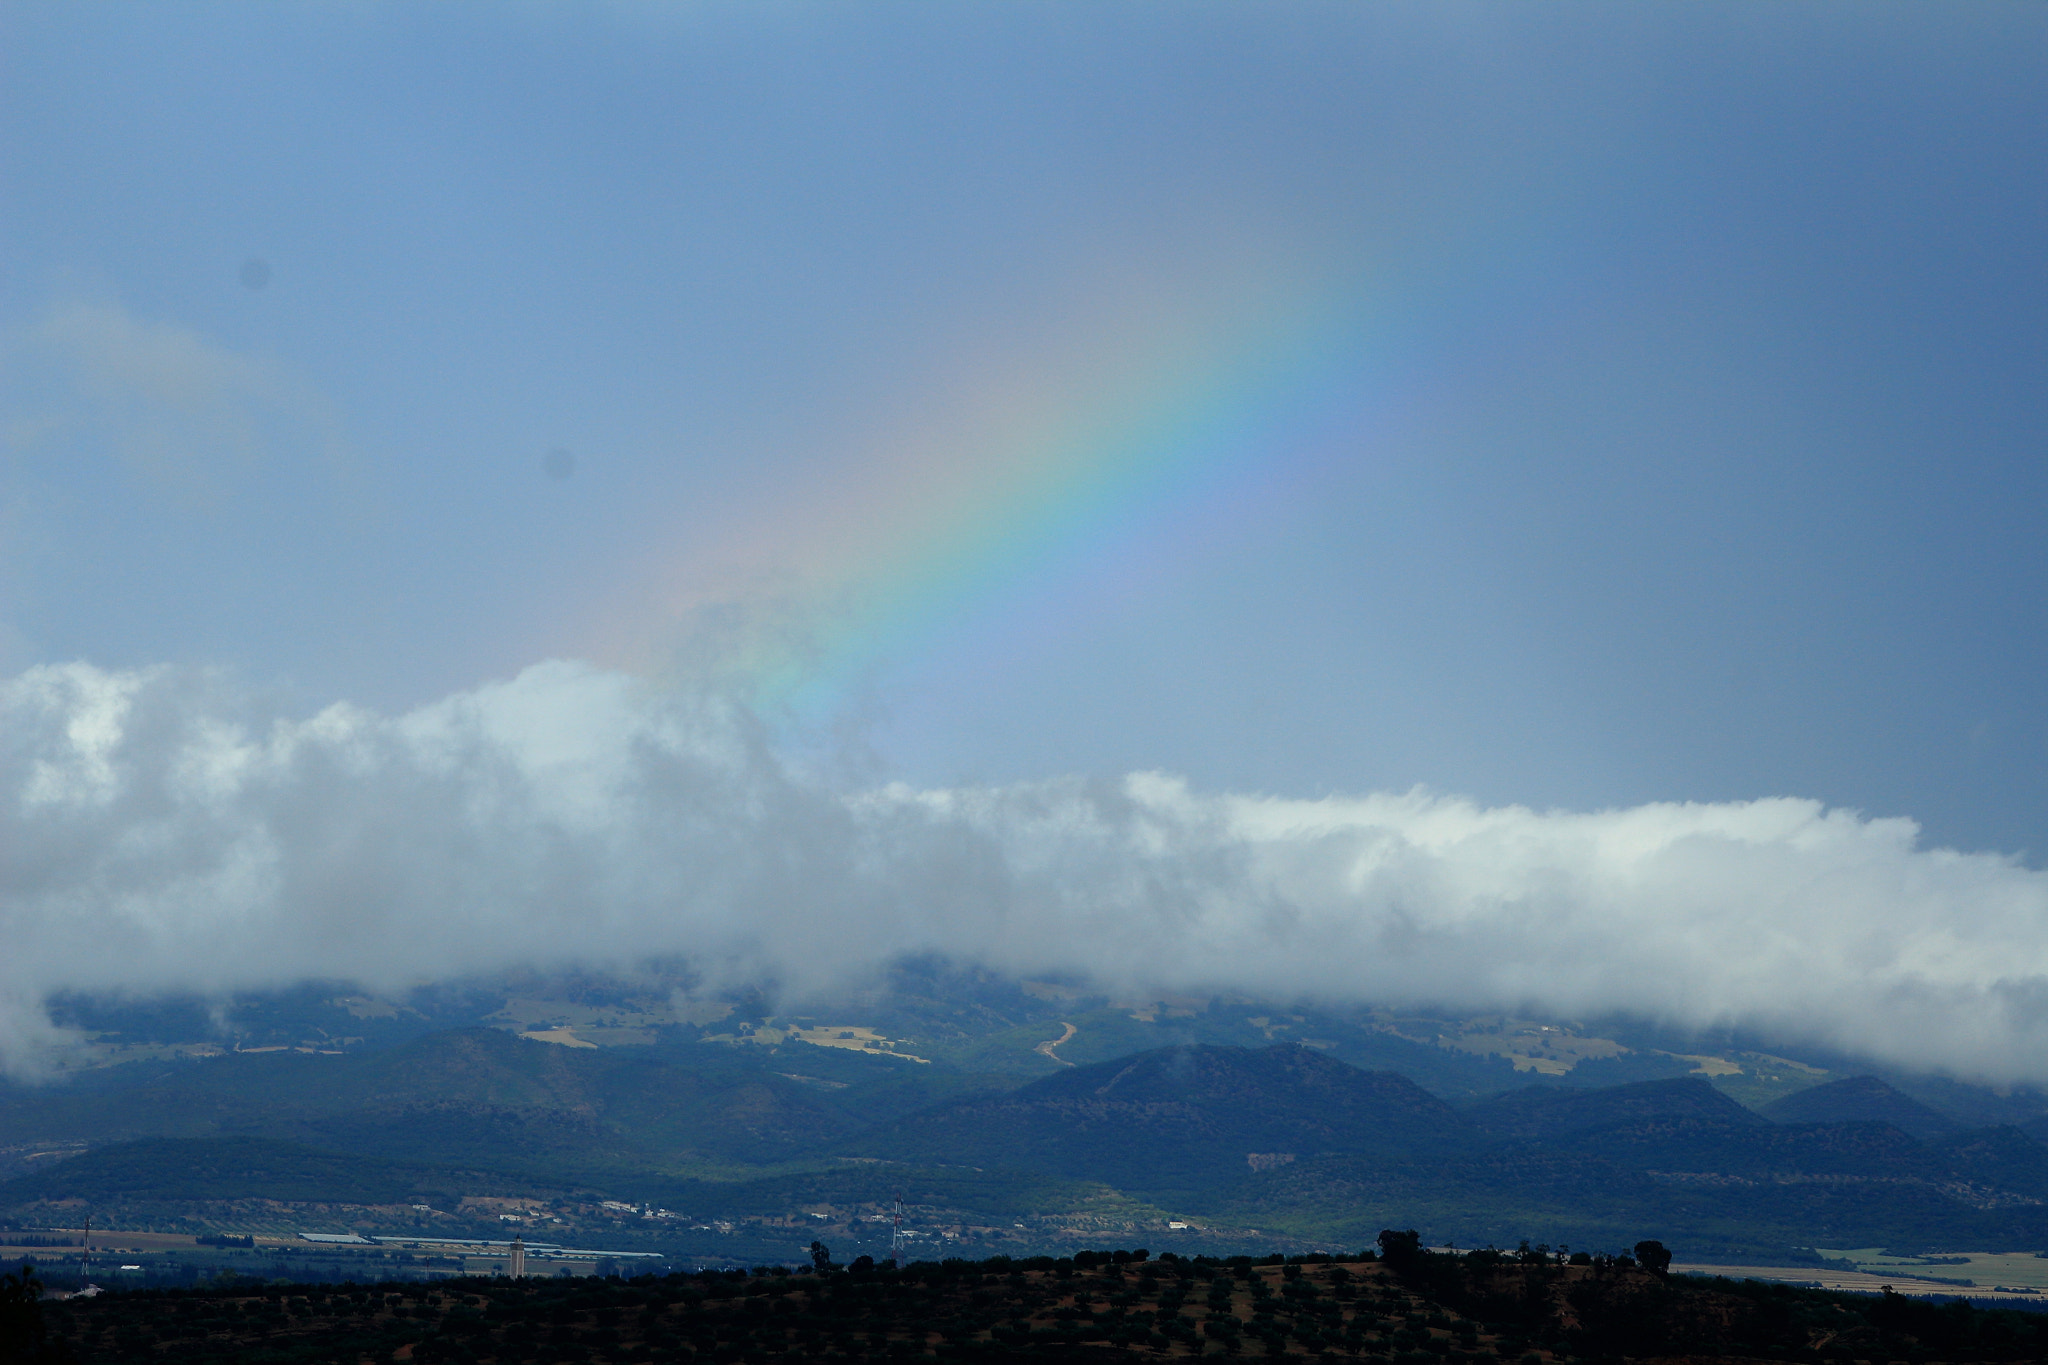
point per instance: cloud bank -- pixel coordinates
(163, 832)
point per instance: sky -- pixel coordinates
(1555, 414)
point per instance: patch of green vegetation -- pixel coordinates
(1765, 1078)
(2017, 1270)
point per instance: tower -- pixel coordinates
(518, 1257)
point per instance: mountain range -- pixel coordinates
(984, 1110)
(1280, 1138)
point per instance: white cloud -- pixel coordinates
(162, 833)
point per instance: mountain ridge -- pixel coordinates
(1192, 1114)
(1861, 1099)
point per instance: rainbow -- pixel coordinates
(1080, 473)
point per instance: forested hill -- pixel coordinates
(1540, 1114)
(1181, 1118)
(1861, 1099)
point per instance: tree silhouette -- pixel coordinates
(1400, 1248)
(21, 1315)
(1652, 1257)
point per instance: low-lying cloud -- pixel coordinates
(162, 832)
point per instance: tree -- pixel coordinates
(21, 1315)
(1401, 1249)
(1652, 1257)
(821, 1256)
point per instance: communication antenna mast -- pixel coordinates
(85, 1260)
(896, 1234)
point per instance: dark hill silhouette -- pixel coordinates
(1860, 1099)
(1542, 1114)
(1181, 1117)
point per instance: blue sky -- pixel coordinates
(1699, 452)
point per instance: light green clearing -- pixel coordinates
(1984, 1269)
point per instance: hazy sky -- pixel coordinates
(1571, 405)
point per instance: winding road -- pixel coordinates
(1047, 1047)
